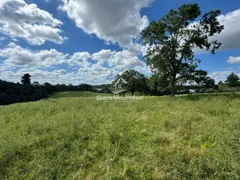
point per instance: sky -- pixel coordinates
(91, 41)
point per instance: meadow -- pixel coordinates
(184, 137)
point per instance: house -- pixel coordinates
(120, 87)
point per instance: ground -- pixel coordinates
(185, 137)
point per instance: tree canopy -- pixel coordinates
(233, 80)
(135, 81)
(202, 79)
(26, 79)
(171, 42)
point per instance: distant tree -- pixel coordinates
(158, 84)
(85, 87)
(209, 83)
(26, 79)
(232, 80)
(135, 81)
(202, 79)
(35, 83)
(172, 39)
(222, 86)
(49, 88)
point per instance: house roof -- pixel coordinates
(119, 81)
(119, 91)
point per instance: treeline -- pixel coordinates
(198, 82)
(26, 91)
(157, 85)
(15, 92)
(231, 84)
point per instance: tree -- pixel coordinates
(35, 83)
(232, 80)
(26, 79)
(222, 86)
(135, 81)
(173, 38)
(209, 83)
(202, 79)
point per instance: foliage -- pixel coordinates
(160, 138)
(233, 80)
(158, 85)
(74, 94)
(135, 81)
(15, 93)
(201, 78)
(26, 79)
(172, 39)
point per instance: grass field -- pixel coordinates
(74, 94)
(186, 137)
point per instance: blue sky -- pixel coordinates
(83, 41)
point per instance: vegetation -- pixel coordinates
(74, 94)
(26, 79)
(186, 137)
(74, 135)
(135, 81)
(138, 84)
(15, 92)
(233, 80)
(172, 39)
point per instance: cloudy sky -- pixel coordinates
(91, 41)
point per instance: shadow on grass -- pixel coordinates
(196, 97)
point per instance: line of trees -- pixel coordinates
(157, 85)
(136, 82)
(26, 91)
(232, 83)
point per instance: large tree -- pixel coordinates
(26, 79)
(136, 81)
(171, 42)
(233, 80)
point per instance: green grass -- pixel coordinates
(84, 94)
(75, 94)
(186, 137)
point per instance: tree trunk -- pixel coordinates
(172, 92)
(173, 86)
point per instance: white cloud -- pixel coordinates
(117, 21)
(103, 55)
(230, 35)
(3, 38)
(97, 68)
(121, 60)
(18, 56)
(222, 75)
(21, 20)
(233, 60)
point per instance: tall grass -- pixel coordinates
(185, 137)
(75, 94)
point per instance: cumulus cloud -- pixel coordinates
(120, 60)
(17, 56)
(97, 68)
(113, 21)
(222, 75)
(233, 60)
(21, 20)
(230, 36)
